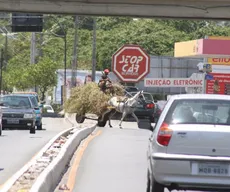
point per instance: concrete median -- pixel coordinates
(50, 176)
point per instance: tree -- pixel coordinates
(44, 75)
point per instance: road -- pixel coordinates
(18, 146)
(113, 161)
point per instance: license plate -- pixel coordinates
(213, 169)
(12, 121)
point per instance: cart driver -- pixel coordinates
(104, 79)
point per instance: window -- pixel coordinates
(16, 101)
(34, 101)
(199, 111)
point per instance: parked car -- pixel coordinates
(146, 106)
(49, 108)
(18, 112)
(190, 147)
(37, 107)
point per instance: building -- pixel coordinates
(161, 67)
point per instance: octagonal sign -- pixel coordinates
(131, 63)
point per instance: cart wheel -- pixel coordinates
(101, 122)
(80, 118)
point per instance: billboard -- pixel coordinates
(219, 61)
(220, 84)
(173, 82)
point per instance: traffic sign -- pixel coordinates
(207, 68)
(131, 63)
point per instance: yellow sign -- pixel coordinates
(219, 61)
(186, 48)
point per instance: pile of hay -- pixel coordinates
(89, 99)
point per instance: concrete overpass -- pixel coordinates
(208, 9)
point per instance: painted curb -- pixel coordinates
(47, 181)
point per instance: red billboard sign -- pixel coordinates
(131, 63)
(219, 85)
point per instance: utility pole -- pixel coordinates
(33, 52)
(75, 48)
(1, 66)
(94, 50)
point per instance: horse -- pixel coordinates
(126, 107)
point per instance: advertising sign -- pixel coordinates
(173, 82)
(131, 63)
(219, 61)
(220, 84)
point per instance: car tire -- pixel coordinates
(32, 130)
(156, 187)
(152, 119)
(153, 186)
(39, 127)
(0, 131)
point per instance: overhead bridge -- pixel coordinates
(197, 9)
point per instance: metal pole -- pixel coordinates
(1, 66)
(74, 64)
(6, 49)
(33, 52)
(65, 65)
(94, 50)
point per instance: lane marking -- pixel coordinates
(1, 186)
(73, 172)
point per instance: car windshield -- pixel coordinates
(147, 96)
(34, 101)
(16, 101)
(48, 107)
(198, 111)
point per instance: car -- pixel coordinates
(37, 107)
(189, 147)
(48, 108)
(1, 119)
(131, 89)
(146, 106)
(17, 112)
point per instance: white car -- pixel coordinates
(187, 152)
(49, 108)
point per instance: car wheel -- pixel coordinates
(152, 119)
(148, 184)
(156, 187)
(0, 131)
(39, 127)
(32, 130)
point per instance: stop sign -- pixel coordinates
(131, 63)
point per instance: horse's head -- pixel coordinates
(138, 94)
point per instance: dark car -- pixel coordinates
(18, 112)
(131, 89)
(146, 106)
(37, 108)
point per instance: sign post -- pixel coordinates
(131, 63)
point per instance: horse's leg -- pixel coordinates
(123, 116)
(136, 118)
(110, 125)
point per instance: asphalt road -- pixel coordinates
(113, 161)
(17, 147)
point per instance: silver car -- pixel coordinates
(190, 144)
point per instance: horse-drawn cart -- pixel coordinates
(101, 119)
